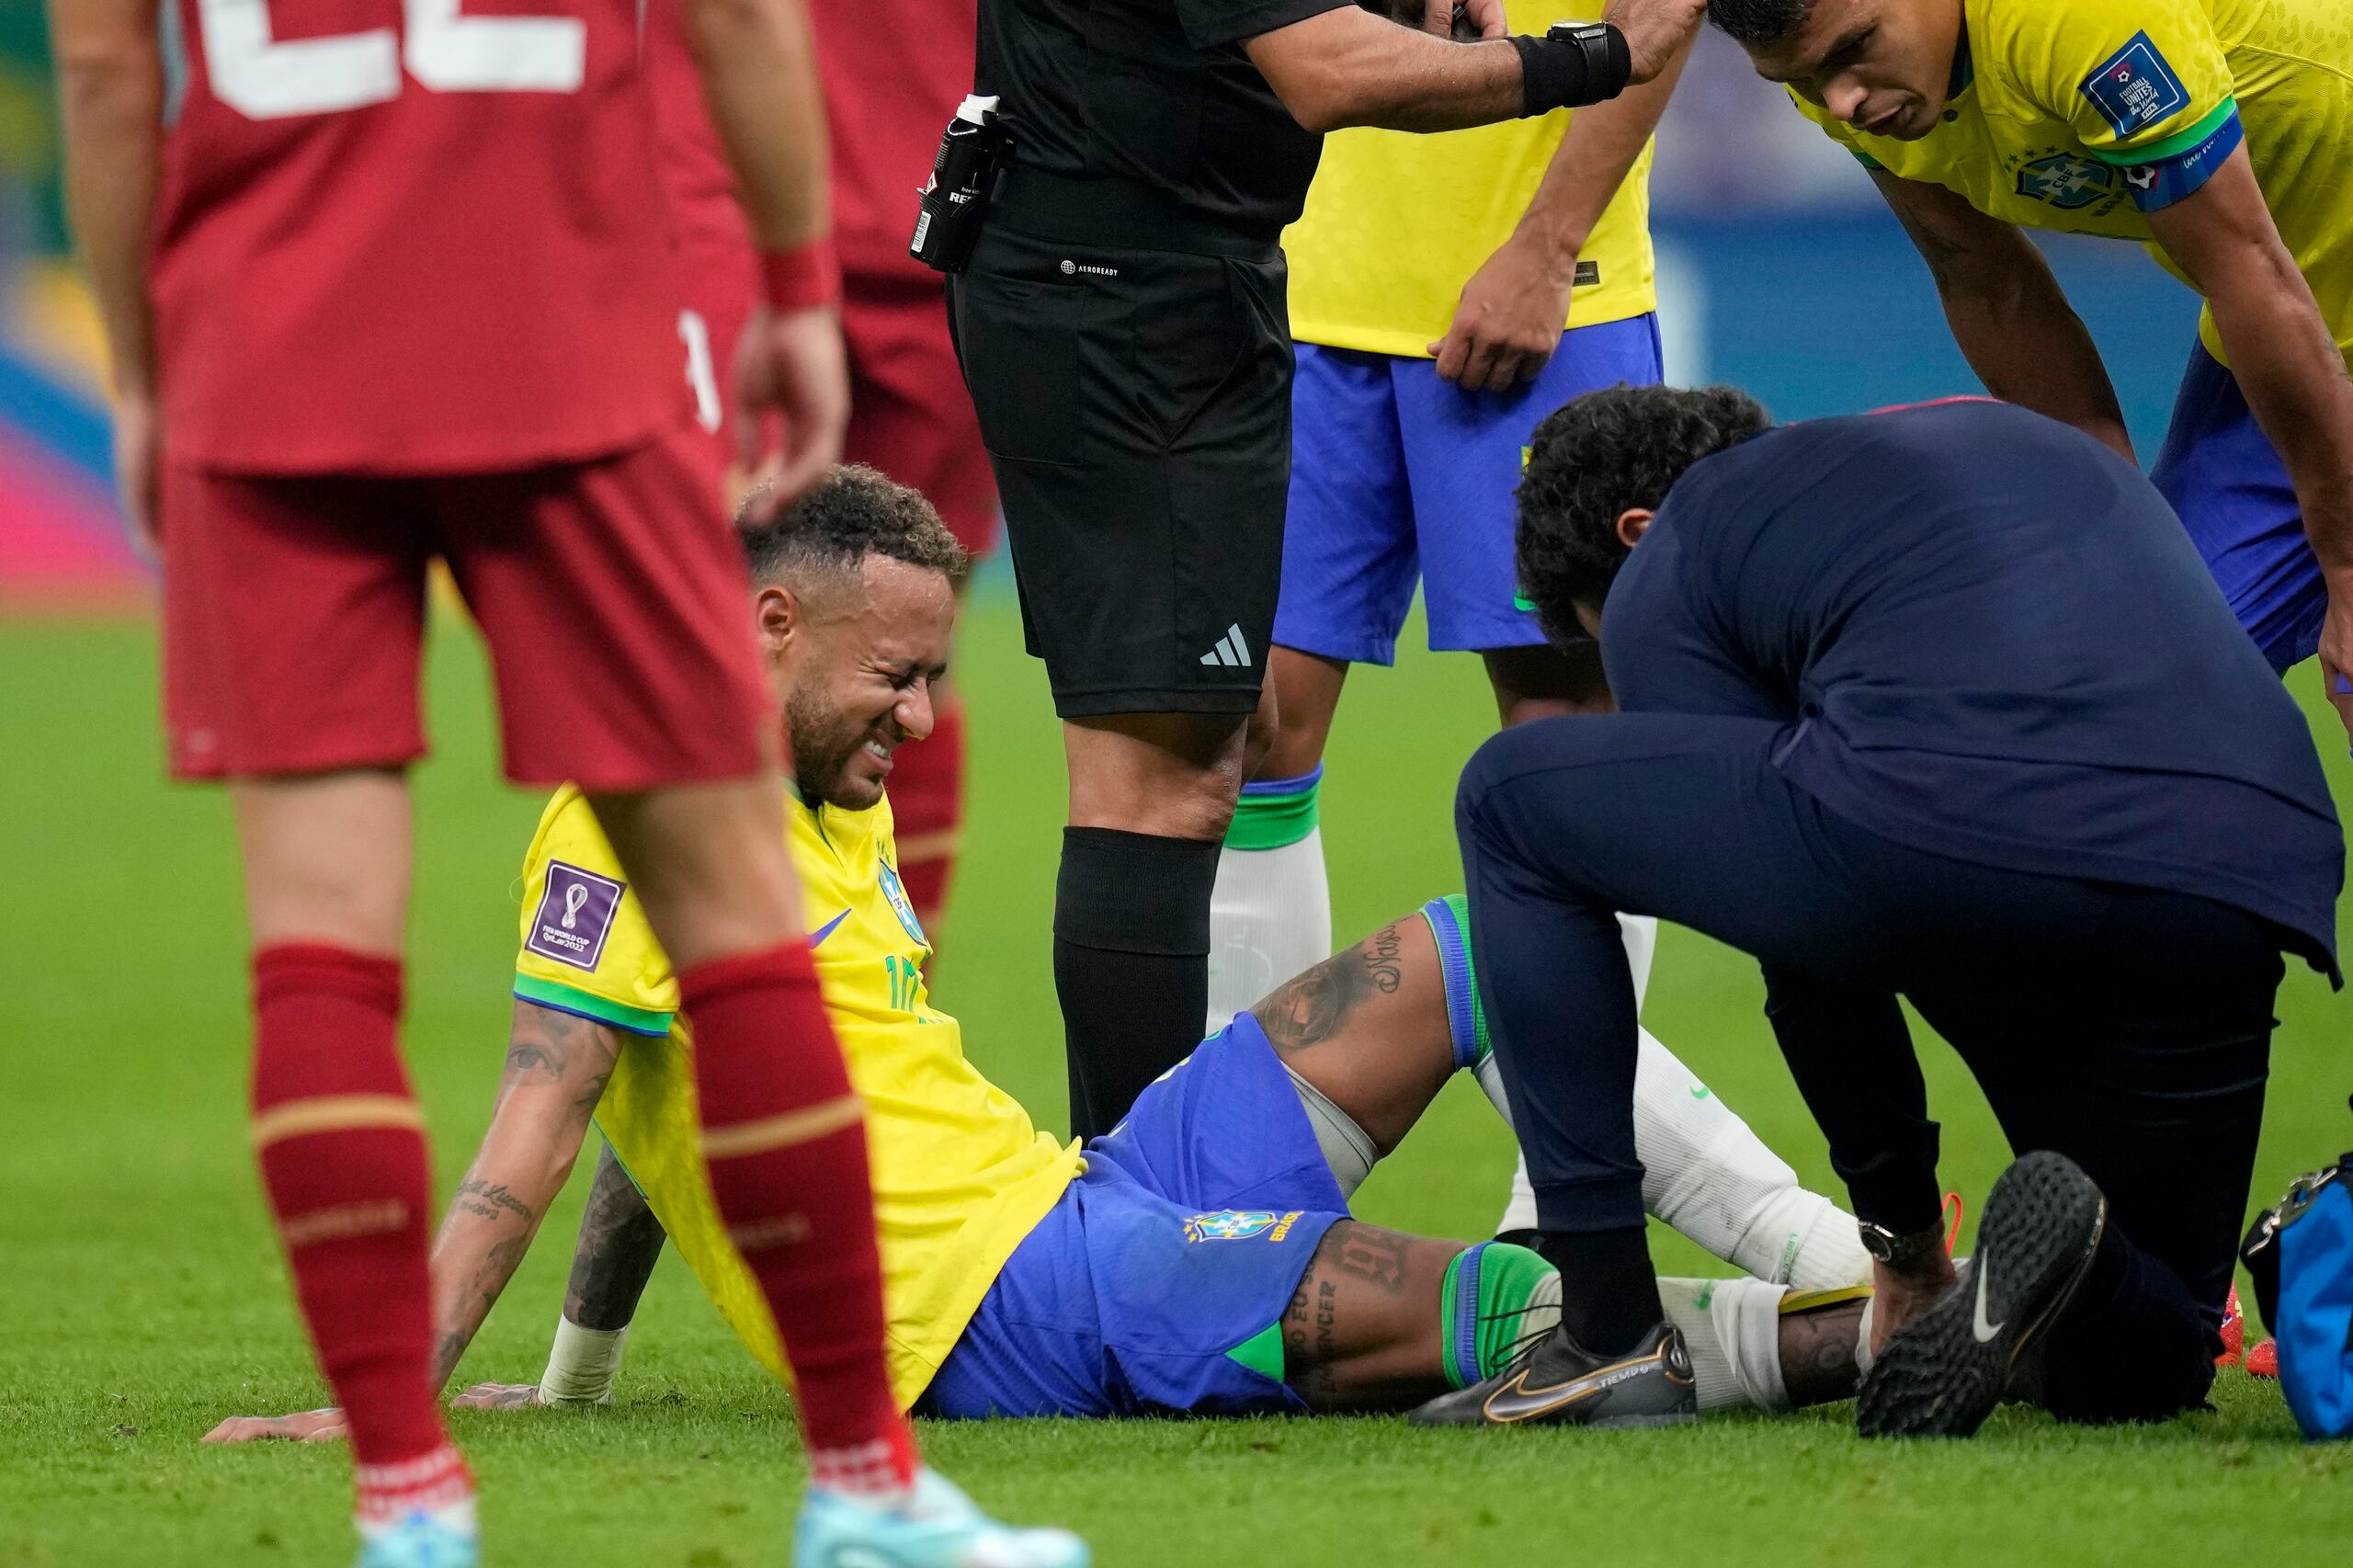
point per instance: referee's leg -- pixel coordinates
(1136, 407)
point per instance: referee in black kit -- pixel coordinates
(1122, 328)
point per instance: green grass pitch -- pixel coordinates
(141, 1300)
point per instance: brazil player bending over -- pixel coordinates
(2217, 132)
(1200, 1257)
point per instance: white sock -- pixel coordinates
(1639, 932)
(1707, 1174)
(1271, 913)
(1733, 1328)
(581, 1364)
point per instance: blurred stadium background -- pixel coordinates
(1781, 270)
(140, 1295)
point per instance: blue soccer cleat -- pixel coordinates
(937, 1526)
(420, 1541)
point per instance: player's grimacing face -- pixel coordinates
(864, 686)
(1884, 66)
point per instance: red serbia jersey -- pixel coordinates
(894, 72)
(411, 236)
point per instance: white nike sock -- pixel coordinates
(1733, 1328)
(1707, 1173)
(1271, 913)
(1639, 932)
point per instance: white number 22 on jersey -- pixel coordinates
(447, 52)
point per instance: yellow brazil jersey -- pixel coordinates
(1396, 223)
(2083, 115)
(959, 1174)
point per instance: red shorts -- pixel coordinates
(909, 414)
(612, 595)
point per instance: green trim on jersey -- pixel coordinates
(1274, 821)
(603, 1009)
(1262, 1352)
(2173, 146)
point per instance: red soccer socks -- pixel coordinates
(342, 1150)
(784, 1135)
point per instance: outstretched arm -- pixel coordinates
(1509, 322)
(2288, 364)
(556, 1068)
(758, 66)
(620, 1242)
(1347, 66)
(2007, 312)
(111, 95)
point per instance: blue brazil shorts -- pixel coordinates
(1157, 1285)
(1397, 474)
(2232, 491)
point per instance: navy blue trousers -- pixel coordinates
(2128, 1028)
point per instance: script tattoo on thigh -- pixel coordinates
(1313, 1007)
(1374, 1256)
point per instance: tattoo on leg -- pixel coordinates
(1818, 1353)
(1313, 1007)
(1374, 1256)
(619, 1240)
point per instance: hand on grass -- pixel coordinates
(500, 1396)
(325, 1425)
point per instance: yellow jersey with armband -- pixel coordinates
(959, 1174)
(2086, 115)
(1396, 223)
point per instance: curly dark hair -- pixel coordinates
(1757, 24)
(852, 513)
(1596, 457)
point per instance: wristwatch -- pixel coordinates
(1592, 40)
(1899, 1252)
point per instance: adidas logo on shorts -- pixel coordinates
(1232, 649)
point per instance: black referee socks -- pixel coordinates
(1132, 944)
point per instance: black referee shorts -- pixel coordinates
(1136, 407)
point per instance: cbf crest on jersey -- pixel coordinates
(1237, 1225)
(889, 877)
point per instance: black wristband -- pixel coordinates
(1571, 66)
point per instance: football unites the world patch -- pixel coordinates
(2134, 88)
(574, 916)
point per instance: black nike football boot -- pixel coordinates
(1560, 1382)
(1941, 1374)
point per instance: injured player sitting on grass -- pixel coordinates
(1199, 1258)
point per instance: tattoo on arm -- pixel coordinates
(619, 1240)
(489, 1198)
(1314, 1005)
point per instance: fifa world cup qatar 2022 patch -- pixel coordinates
(574, 916)
(2134, 88)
